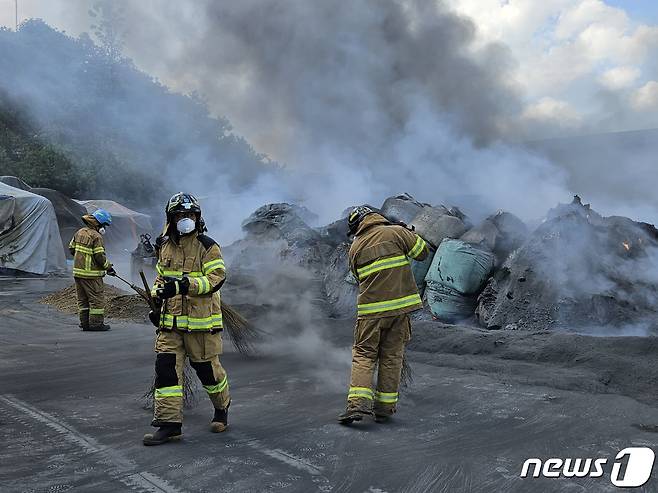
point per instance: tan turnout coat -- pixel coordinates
(88, 250)
(198, 258)
(380, 260)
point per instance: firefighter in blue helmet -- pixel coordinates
(89, 267)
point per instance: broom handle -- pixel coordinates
(147, 290)
(145, 296)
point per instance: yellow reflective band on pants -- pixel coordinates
(215, 389)
(164, 392)
(386, 397)
(388, 305)
(382, 264)
(192, 323)
(360, 392)
(96, 311)
(418, 248)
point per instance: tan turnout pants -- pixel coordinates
(378, 341)
(91, 301)
(203, 350)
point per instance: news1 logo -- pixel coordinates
(631, 469)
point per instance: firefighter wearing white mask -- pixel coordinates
(190, 272)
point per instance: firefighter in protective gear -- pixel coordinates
(89, 267)
(190, 272)
(379, 258)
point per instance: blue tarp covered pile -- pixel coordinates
(455, 278)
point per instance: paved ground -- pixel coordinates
(71, 420)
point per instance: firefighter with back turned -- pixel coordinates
(379, 258)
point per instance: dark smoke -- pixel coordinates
(359, 100)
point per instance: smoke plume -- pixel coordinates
(359, 101)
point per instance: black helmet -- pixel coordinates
(183, 202)
(356, 216)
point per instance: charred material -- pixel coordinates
(577, 271)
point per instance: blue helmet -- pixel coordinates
(103, 217)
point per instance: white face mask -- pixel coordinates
(101, 230)
(185, 226)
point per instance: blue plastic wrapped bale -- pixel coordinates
(460, 266)
(419, 269)
(447, 304)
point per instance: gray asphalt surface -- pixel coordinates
(71, 419)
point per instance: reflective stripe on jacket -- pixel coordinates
(379, 258)
(88, 252)
(198, 258)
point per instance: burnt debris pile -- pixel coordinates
(576, 271)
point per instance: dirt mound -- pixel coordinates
(118, 304)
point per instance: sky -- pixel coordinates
(580, 66)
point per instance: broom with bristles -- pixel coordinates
(406, 375)
(242, 334)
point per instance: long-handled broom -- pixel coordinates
(242, 334)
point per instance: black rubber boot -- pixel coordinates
(164, 434)
(84, 320)
(97, 328)
(382, 418)
(220, 420)
(351, 415)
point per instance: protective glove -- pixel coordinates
(154, 318)
(111, 272)
(173, 288)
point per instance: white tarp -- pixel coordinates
(29, 236)
(126, 227)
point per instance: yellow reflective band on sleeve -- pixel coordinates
(382, 264)
(204, 285)
(88, 273)
(388, 305)
(96, 311)
(164, 392)
(107, 265)
(418, 248)
(360, 392)
(208, 267)
(216, 389)
(98, 250)
(386, 397)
